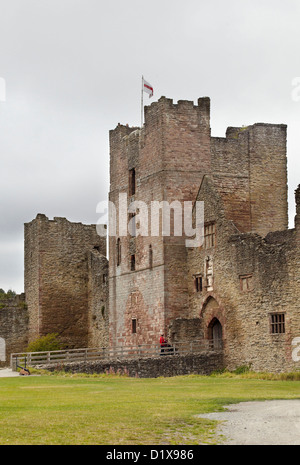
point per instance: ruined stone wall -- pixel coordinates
(56, 277)
(230, 169)
(274, 267)
(271, 267)
(268, 178)
(250, 169)
(13, 328)
(32, 277)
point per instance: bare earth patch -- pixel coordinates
(274, 422)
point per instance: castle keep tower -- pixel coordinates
(163, 161)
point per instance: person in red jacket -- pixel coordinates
(163, 343)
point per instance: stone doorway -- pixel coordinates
(215, 334)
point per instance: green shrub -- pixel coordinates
(45, 343)
(241, 370)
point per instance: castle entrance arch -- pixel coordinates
(2, 350)
(213, 318)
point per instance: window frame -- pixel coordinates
(198, 289)
(279, 323)
(248, 278)
(210, 236)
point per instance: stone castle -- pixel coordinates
(239, 289)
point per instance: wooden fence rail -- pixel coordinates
(59, 357)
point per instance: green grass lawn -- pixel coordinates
(114, 410)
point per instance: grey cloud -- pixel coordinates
(73, 71)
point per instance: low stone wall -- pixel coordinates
(171, 365)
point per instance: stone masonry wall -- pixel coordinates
(56, 277)
(131, 295)
(98, 322)
(13, 328)
(271, 266)
(250, 169)
(201, 364)
(170, 154)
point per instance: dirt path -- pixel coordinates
(7, 373)
(274, 422)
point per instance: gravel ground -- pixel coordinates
(7, 373)
(274, 422)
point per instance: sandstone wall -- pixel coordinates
(56, 277)
(250, 169)
(271, 265)
(13, 328)
(170, 154)
(98, 321)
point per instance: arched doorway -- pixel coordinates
(215, 334)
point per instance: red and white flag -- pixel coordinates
(147, 88)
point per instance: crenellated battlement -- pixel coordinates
(164, 107)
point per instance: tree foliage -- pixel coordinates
(10, 294)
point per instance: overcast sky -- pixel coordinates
(73, 68)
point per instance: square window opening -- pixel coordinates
(277, 323)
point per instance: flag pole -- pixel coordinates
(142, 102)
